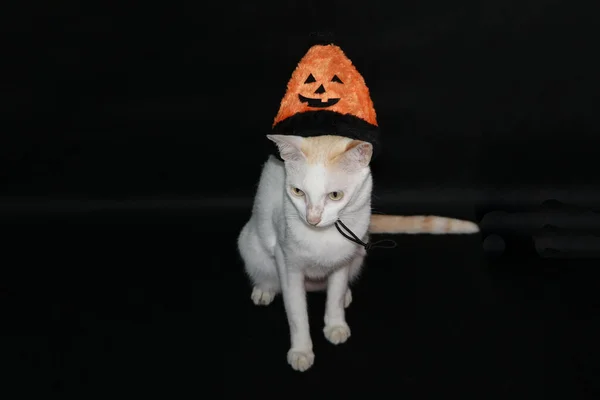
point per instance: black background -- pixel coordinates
(133, 136)
(144, 100)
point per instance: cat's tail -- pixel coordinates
(381, 223)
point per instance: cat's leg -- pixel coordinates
(300, 355)
(348, 298)
(353, 274)
(260, 268)
(336, 329)
(339, 296)
(322, 286)
(317, 286)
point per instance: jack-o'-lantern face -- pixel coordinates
(320, 97)
(325, 79)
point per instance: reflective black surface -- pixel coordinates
(157, 303)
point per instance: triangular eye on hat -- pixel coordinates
(325, 79)
(310, 79)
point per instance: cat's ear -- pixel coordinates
(290, 147)
(357, 155)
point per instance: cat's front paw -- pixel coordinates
(262, 297)
(300, 360)
(337, 334)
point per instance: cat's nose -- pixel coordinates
(313, 214)
(313, 219)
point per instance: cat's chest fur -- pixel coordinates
(320, 252)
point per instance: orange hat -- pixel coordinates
(326, 95)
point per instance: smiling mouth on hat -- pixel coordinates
(318, 103)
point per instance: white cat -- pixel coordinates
(290, 245)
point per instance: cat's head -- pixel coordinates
(323, 173)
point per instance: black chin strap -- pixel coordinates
(368, 246)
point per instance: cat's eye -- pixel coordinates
(336, 195)
(297, 192)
